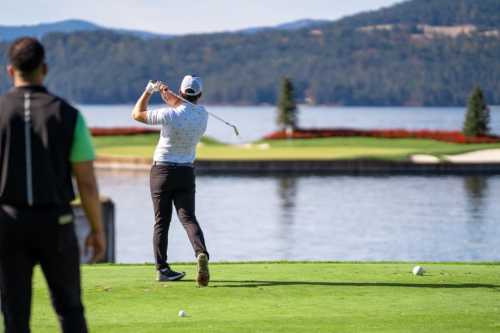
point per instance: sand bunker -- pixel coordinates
(482, 156)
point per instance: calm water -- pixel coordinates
(320, 218)
(312, 217)
(255, 122)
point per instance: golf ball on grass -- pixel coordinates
(418, 270)
(182, 313)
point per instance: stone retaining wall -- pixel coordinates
(356, 167)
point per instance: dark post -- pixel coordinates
(82, 229)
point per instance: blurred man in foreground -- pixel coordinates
(43, 141)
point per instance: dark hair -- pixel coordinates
(191, 98)
(26, 54)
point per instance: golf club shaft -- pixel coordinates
(210, 113)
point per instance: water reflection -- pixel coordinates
(476, 188)
(287, 192)
(287, 195)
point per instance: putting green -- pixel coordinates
(311, 149)
(288, 297)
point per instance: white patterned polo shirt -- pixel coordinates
(182, 129)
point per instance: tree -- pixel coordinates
(287, 109)
(477, 118)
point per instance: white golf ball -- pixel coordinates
(418, 270)
(182, 313)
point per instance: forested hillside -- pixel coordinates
(483, 13)
(420, 52)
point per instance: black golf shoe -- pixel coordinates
(167, 274)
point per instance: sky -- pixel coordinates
(181, 16)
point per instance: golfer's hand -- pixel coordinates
(163, 89)
(169, 97)
(95, 242)
(152, 87)
(165, 94)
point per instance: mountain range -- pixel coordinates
(418, 52)
(9, 33)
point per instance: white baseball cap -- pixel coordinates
(191, 85)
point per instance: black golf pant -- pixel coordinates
(174, 184)
(46, 236)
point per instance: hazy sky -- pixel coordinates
(181, 16)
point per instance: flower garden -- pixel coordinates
(446, 136)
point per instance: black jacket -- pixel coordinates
(36, 136)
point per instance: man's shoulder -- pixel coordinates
(63, 102)
(198, 108)
(41, 93)
(59, 105)
(16, 95)
(7, 95)
(162, 110)
(203, 110)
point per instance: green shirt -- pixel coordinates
(82, 149)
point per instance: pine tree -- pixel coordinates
(287, 109)
(477, 119)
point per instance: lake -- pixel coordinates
(319, 218)
(421, 218)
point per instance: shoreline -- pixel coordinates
(332, 167)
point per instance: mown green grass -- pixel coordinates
(310, 149)
(288, 297)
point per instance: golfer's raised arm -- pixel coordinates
(140, 111)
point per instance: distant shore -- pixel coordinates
(355, 166)
(341, 155)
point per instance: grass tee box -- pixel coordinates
(288, 297)
(304, 149)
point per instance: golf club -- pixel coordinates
(210, 113)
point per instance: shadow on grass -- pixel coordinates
(256, 284)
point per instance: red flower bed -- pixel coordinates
(448, 136)
(113, 131)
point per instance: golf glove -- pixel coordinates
(152, 87)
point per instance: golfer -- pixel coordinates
(43, 140)
(172, 178)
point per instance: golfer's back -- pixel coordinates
(182, 129)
